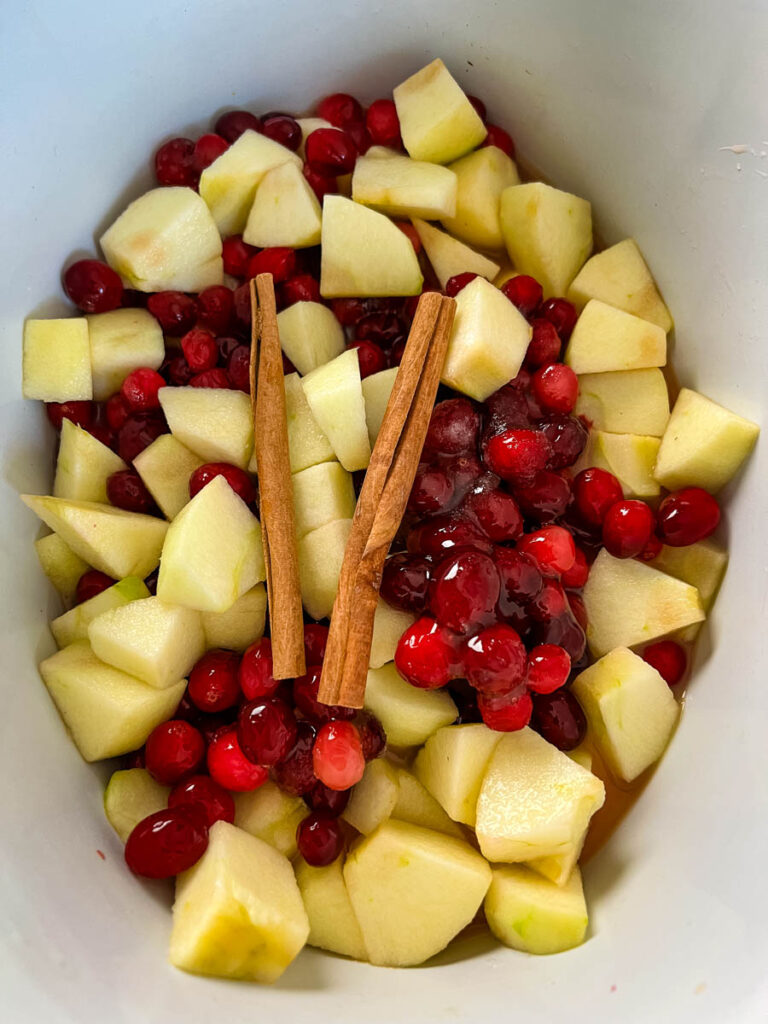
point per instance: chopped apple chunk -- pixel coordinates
(60, 564)
(239, 626)
(452, 767)
(630, 457)
(56, 360)
(320, 554)
(409, 715)
(374, 797)
(481, 178)
(389, 624)
(606, 339)
(417, 805)
(376, 391)
(402, 187)
(449, 256)
(83, 465)
(285, 211)
(131, 795)
(214, 423)
(272, 815)
(121, 341)
(335, 395)
(73, 625)
(332, 921)
(307, 444)
(528, 913)
(625, 401)
(322, 494)
(165, 466)
(310, 335)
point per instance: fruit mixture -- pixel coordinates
(538, 605)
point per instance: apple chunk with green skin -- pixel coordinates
(409, 715)
(114, 541)
(630, 709)
(83, 465)
(373, 798)
(214, 423)
(452, 766)
(620, 276)
(310, 335)
(165, 466)
(449, 256)
(107, 712)
(335, 395)
(630, 457)
(558, 868)
(402, 187)
(238, 912)
(629, 603)
(285, 211)
(417, 805)
(307, 444)
(271, 815)
(625, 401)
(321, 495)
(73, 625)
(533, 800)
(528, 913)
(165, 240)
(320, 555)
(389, 624)
(488, 341)
(376, 391)
(548, 233)
(121, 341)
(704, 444)
(607, 339)
(213, 552)
(412, 890)
(239, 626)
(56, 360)
(437, 121)
(332, 921)
(60, 564)
(364, 253)
(482, 176)
(130, 796)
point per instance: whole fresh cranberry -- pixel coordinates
(256, 678)
(453, 428)
(464, 591)
(562, 314)
(79, 413)
(427, 655)
(458, 282)
(432, 490)
(215, 308)
(93, 286)
(174, 311)
(126, 490)
(140, 389)
(383, 124)
(229, 766)
(687, 516)
(495, 659)
(521, 578)
(207, 149)
(548, 668)
(524, 292)
(92, 583)
(203, 791)
(300, 288)
(669, 660)
(138, 432)
(296, 773)
(320, 839)
(340, 109)
(518, 455)
(502, 140)
(555, 387)
(405, 582)
(498, 515)
(266, 730)
(505, 712)
(567, 438)
(315, 642)
(544, 346)
(373, 739)
(444, 534)
(371, 357)
(173, 751)
(321, 184)
(558, 717)
(279, 261)
(594, 491)
(546, 499)
(627, 528)
(239, 369)
(305, 690)
(236, 255)
(167, 842)
(552, 549)
(330, 801)
(237, 478)
(175, 163)
(330, 151)
(213, 682)
(232, 124)
(284, 129)
(338, 755)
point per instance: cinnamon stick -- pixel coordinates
(278, 527)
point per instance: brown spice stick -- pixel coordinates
(278, 527)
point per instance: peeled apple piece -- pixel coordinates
(449, 256)
(332, 921)
(131, 795)
(56, 360)
(310, 335)
(60, 564)
(83, 465)
(452, 766)
(625, 401)
(335, 396)
(121, 341)
(528, 913)
(606, 339)
(402, 187)
(73, 625)
(482, 176)
(214, 423)
(165, 466)
(285, 211)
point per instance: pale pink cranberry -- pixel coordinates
(502, 140)
(266, 729)
(464, 591)
(213, 682)
(300, 288)
(453, 428)
(305, 690)
(544, 346)
(627, 528)
(562, 314)
(236, 255)
(518, 455)
(92, 583)
(431, 492)
(207, 794)
(426, 655)
(174, 311)
(282, 128)
(505, 712)
(669, 660)
(446, 533)
(167, 842)
(687, 516)
(575, 577)
(458, 282)
(140, 389)
(558, 717)
(338, 755)
(174, 750)
(548, 668)
(279, 261)
(546, 499)
(207, 149)
(229, 766)
(215, 307)
(524, 292)
(93, 286)
(296, 773)
(371, 357)
(237, 478)
(405, 582)
(552, 549)
(594, 491)
(232, 124)
(175, 163)
(495, 659)
(256, 678)
(498, 515)
(126, 490)
(330, 151)
(320, 839)
(555, 387)
(383, 124)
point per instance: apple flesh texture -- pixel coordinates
(620, 276)
(630, 457)
(481, 178)
(534, 800)
(376, 391)
(238, 912)
(416, 805)
(629, 603)
(83, 465)
(437, 121)
(704, 444)
(364, 253)
(488, 341)
(285, 211)
(271, 815)
(107, 712)
(310, 335)
(165, 467)
(320, 554)
(321, 495)
(114, 541)
(307, 444)
(335, 396)
(121, 341)
(73, 625)
(702, 565)
(332, 922)
(165, 240)
(625, 401)
(449, 256)
(528, 913)
(558, 868)
(548, 233)
(239, 626)
(389, 624)
(409, 715)
(606, 339)
(214, 423)
(374, 798)
(452, 766)
(401, 187)
(56, 360)
(60, 564)
(131, 795)
(229, 184)
(412, 890)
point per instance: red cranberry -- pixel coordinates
(200, 349)
(578, 608)
(559, 719)
(567, 438)
(227, 346)
(216, 378)
(321, 184)
(546, 499)
(524, 292)
(518, 455)
(340, 109)
(468, 474)
(230, 767)
(283, 129)
(207, 149)
(93, 286)
(383, 124)
(544, 347)
(479, 107)
(236, 254)
(555, 387)
(116, 410)
(669, 660)
(651, 550)
(256, 678)
(552, 549)
(174, 311)
(315, 642)
(239, 369)
(521, 579)
(232, 124)
(453, 428)
(126, 489)
(167, 842)
(215, 308)
(237, 479)
(594, 491)
(495, 659)
(498, 515)
(562, 314)
(370, 357)
(174, 750)
(505, 712)
(175, 163)
(575, 577)
(203, 791)
(432, 490)
(91, 584)
(443, 534)
(627, 528)
(383, 328)
(426, 655)
(140, 389)
(320, 839)
(266, 730)
(396, 353)
(372, 736)
(80, 413)
(301, 288)
(458, 282)
(338, 755)
(138, 432)
(330, 151)
(296, 773)
(349, 311)
(508, 409)
(177, 371)
(550, 603)
(405, 582)
(562, 630)
(279, 261)
(305, 690)
(502, 140)
(360, 137)
(687, 516)
(328, 801)
(213, 682)
(548, 668)
(464, 591)
(412, 234)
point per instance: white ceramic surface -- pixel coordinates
(625, 103)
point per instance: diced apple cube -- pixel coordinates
(131, 795)
(165, 466)
(108, 712)
(332, 921)
(322, 494)
(73, 625)
(214, 423)
(629, 603)
(320, 555)
(56, 360)
(481, 176)
(310, 335)
(582, 755)
(307, 444)
(702, 565)
(271, 815)
(409, 715)
(417, 805)
(488, 342)
(374, 797)
(121, 341)
(238, 912)
(83, 465)
(403, 187)
(239, 626)
(452, 766)
(389, 624)
(376, 391)
(60, 564)
(528, 913)
(412, 890)
(606, 339)
(625, 401)
(449, 256)
(704, 444)
(558, 868)
(335, 395)
(285, 210)
(548, 233)
(630, 457)
(437, 121)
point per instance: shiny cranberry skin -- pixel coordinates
(340, 109)
(230, 767)
(562, 315)
(126, 490)
(236, 255)
(411, 233)
(301, 288)
(518, 455)
(213, 682)
(232, 124)
(578, 609)
(370, 357)
(548, 668)
(468, 475)
(174, 311)
(521, 579)
(279, 261)
(215, 378)
(651, 550)
(562, 630)
(177, 371)
(498, 515)
(558, 717)
(203, 791)
(627, 528)
(138, 432)
(167, 842)
(93, 286)
(237, 479)
(207, 149)
(338, 755)
(431, 492)
(507, 409)
(330, 151)
(305, 690)
(505, 712)
(458, 282)
(405, 582)
(383, 328)
(550, 603)
(544, 346)
(594, 491)
(320, 839)
(453, 428)
(116, 410)
(92, 583)
(283, 129)
(502, 140)
(464, 591)
(349, 311)
(372, 736)
(555, 387)
(174, 750)
(575, 577)
(80, 413)
(524, 292)
(215, 308)
(256, 679)
(567, 438)
(315, 642)
(140, 389)
(669, 660)
(552, 549)
(546, 499)
(426, 655)
(200, 349)
(296, 773)
(443, 534)
(383, 124)
(687, 516)
(321, 184)
(266, 730)
(239, 369)
(328, 801)
(175, 163)
(495, 659)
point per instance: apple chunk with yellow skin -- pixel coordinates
(607, 339)
(56, 360)
(481, 178)
(310, 335)
(307, 444)
(417, 805)
(548, 233)
(389, 624)
(449, 256)
(452, 766)
(332, 922)
(271, 815)
(121, 341)
(107, 712)
(402, 187)
(625, 401)
(376, 392)
(238, 912)
(130, 796)
(83, 465)
(488, 341)
(620, 276)
(214, 423)
(409, 715)
(60, 564)
(285, 211)
(374, 797)
(322, 494)
(239, 626)
(165, 240)
(165, 466)
(629, 603)
(704, 444)
(320, 554)
(437, 121)
(364, 253)
(335, 395)
(630, 457)
(528, 913)
(73, 625)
